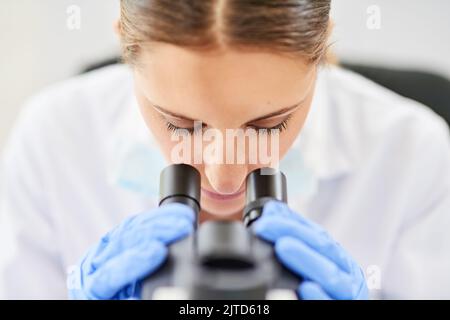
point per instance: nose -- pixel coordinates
(226, 178)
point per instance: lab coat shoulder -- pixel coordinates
(60, 132)
(379, 125)
(56, 137)
(64, 126)
(408, 141)
(96, 97)
(380, 116)
(402, 149)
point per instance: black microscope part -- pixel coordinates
(180, 183)
(262, 185)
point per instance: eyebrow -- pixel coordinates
(270, 115)
(279, 112)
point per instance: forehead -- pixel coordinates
(226, 84)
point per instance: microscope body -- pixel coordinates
(222, 260)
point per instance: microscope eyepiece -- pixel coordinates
(263, 185)
(180, 183)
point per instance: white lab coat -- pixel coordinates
(378, 180)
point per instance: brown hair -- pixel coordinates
(298, 27)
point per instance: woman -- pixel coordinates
(369, 167)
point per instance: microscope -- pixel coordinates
(221, 260)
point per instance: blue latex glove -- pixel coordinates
(305, 248)
(115, 266)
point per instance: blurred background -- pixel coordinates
(44, 41)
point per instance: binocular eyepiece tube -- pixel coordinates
(181, 183)
(262, 185)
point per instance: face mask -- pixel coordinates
(137, 167)
(301, 180)
(135, 161)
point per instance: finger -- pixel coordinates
(306, 262)
(274, 227)
(131, 291)
(172, 211)
(86, 262)
(166, 229)
(130, 266)
(309, 290)
(362, 291)
(278, 208)
(175, 210)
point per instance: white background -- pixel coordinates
(37, 48)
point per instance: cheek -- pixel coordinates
(294, 129)
(157, 128)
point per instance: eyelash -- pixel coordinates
(282, 126)
(178, 130)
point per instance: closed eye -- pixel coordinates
(283, 125)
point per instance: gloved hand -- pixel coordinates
(115, 266)
(307, 249)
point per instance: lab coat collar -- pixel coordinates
(320, 140)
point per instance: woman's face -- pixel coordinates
(226, 91)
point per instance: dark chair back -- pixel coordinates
(430, 89)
